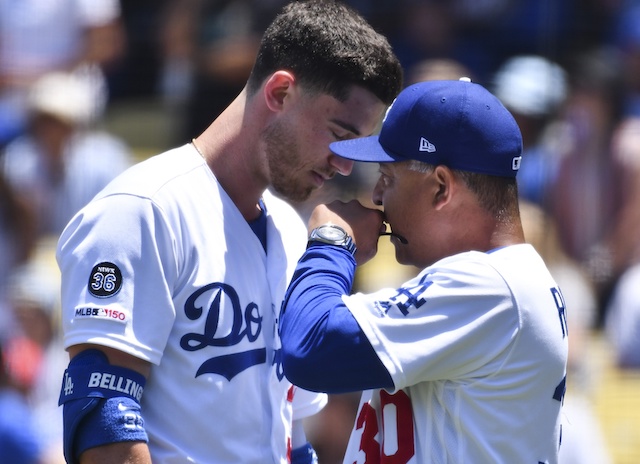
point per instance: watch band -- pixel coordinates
(333, 235)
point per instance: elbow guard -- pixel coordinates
(101, 404)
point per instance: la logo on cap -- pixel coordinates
(427, 146)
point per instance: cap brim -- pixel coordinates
(367, 149)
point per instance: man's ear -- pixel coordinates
(277, 87)
(444, 182)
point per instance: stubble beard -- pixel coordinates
(283, 163)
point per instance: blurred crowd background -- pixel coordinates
(89, 87)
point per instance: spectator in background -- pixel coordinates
(533, 88)
(622, 315)
(17, 240)
(588, 193)
(63, 160)
(623, 242)
(209, 48)
(18, 434)
(623, 239)
(37, 37)
(34, 295)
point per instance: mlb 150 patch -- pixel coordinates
(105, 280)
(98, 312)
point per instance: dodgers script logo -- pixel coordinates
(246, 323)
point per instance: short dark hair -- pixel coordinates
(498, 195)
(328, 47)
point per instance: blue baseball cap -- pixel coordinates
(458, 124)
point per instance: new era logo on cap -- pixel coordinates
(427, 146)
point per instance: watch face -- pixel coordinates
(331, 233)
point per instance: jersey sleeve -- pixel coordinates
(119, 265)
(450, 322)
(322, 344)
(307, 403)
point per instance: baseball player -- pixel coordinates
(173, 276)
(466, 362)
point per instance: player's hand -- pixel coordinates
(364, 225)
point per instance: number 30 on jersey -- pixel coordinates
(394, 444)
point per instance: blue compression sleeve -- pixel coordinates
(101, 404)
(323, 347)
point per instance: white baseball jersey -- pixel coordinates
(477, 348)
(162, 265)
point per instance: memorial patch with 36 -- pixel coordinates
(105, 280)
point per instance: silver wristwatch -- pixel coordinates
(333, 235)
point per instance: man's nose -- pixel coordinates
(342, 165)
